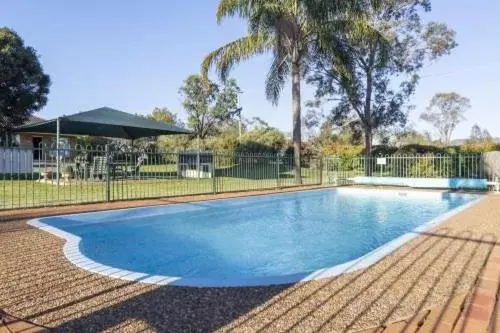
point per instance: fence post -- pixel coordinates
(321, 170)
(214, 180)
(108, 180)
(483, 167)
(278, 185)
(459, 165)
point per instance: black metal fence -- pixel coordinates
(48, 177)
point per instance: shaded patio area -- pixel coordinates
(101, 122)
(420, 284)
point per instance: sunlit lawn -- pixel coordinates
(154, 182)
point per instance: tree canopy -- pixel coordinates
(262, 138)
(23, 84)
(445, 112)
(371, 76)
(207, 104)
(166, 116)
(479, 135)
(170, 142)
(290, 30)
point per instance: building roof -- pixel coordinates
(33, 120)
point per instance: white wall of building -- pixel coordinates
(16, 160)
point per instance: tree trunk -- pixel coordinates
(368, 142)
(297, 136)
(368, 124)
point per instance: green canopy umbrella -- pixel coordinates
(104, 122)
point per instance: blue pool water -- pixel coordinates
(253, 237)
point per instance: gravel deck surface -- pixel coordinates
(39, 284)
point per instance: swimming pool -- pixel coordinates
(269, 239)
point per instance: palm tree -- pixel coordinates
(287, 28)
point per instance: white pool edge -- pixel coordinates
(72, 252)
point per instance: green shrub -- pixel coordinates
(479, 147)
(383, 150)
(342, 150)
(431, 166)
(415, 149)
(262, 140)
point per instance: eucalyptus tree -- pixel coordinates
(288, 29)
(478, 134)
(445, 112)
(371, 76)
(164, 115)
(208, 105)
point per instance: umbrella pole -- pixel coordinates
(58, 130)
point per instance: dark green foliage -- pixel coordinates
(371, 76)
(445, 112)
(207, 104)
(424, 149)
(23, 84)
(265, 140)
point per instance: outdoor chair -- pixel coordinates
(140, 160)
(82, 166)
(99, 168)
(135, 172)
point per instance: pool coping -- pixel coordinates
(73, 254)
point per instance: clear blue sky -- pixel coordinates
(134, 55)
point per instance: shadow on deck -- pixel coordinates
(440, 267)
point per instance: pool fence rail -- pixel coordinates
(46, 176)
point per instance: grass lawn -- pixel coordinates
(155, 181)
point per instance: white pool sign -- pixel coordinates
(381, 161)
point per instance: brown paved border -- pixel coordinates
(37, 283)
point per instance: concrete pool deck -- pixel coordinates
(431, 272)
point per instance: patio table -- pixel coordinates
(117, 167)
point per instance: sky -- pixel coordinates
(134, 56)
